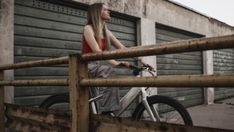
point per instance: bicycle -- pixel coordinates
(155, 108)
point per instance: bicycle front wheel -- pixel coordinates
(59, 103)
(168, 109)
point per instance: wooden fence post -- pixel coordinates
(2, 107)
(79, 96)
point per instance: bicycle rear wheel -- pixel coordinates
(59, 103)
(169, 110)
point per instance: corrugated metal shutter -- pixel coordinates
(224, 64)
(44, 30)
(179, 64)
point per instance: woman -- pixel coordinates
(97, 38)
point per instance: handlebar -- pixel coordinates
(137, 69)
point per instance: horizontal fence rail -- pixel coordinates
(165, 48)
(163, 81)
(36, 82)
(46, 62)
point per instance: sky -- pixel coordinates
(223, 10)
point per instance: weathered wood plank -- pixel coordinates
(21, 116)
(107, 124)
(78, 95)
(34, 119)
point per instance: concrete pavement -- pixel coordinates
(217, 115)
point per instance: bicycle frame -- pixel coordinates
(128, 99)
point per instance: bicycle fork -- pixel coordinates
(151, 110)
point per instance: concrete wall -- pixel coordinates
(6, 42)
(168, 13)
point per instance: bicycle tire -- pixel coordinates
(55, 99)
(159, 99)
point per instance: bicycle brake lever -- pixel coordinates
(148, 67)
(136, 69)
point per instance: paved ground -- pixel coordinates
(218, 115)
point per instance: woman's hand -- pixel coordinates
(146, 65)
(123, 64)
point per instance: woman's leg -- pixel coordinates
(110, 99)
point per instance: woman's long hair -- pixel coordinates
(95, 20)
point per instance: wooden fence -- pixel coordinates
(78, 81)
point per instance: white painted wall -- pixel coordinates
(147, 35)
(6, 42)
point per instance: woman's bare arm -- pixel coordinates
(115, 42)
(89, 37)
(118, 45)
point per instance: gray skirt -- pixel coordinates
(110, 99)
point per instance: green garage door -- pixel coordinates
(179, 64)
(44, 30)
(224, 64)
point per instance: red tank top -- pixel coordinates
(86, 49)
